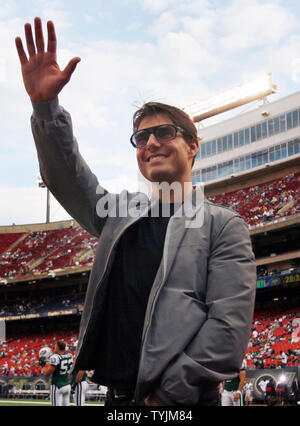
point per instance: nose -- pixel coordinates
(152, 142)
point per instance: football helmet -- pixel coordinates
(45, 353)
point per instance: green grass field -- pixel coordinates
(35, 403)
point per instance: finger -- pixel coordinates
(29, 40)
(39, 38)
(51, 37)
(21, 52)
(70, 68)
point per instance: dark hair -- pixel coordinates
(61, 345)
(178, 117)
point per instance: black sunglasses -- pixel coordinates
(163, 133)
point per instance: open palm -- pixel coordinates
(42, 76)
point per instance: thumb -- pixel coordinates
(70, 68)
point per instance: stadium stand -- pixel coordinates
(34, 253)
(8, 240)
(39, 305)
(19, 355)
(273, 333)
(265, 202)
(40, 252)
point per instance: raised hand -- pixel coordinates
(42, 76)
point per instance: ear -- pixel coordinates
(193, 147)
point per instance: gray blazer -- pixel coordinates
(198, 320)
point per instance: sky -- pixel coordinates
(132, 51)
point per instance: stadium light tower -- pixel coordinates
(253, 90)
(42, 185)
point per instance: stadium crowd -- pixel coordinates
(40, 252)
(265, 202)
(274, 343)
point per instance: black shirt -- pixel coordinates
(138, 256)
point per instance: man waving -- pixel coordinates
(169, 304)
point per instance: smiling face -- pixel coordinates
(165, 162)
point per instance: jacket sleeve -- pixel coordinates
(217, 351)
(62, 167)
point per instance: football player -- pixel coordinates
(79, 385)
(59, 366)
(232, 389)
